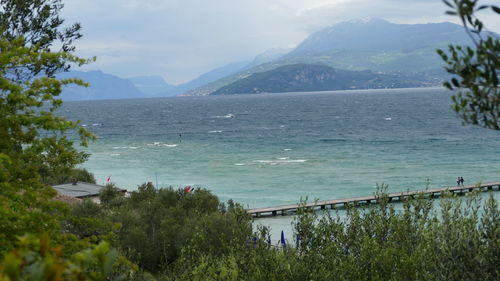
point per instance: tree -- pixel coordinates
(475, 69)
(38, 21)
(33, 141)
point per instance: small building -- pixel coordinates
(81, 190)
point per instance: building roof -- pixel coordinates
(79, 190)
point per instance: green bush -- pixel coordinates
(36, 260)
(460, 240)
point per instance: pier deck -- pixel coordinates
(396, 196)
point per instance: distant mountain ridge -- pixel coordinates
(380, 35)
(227, 70)
(150, 85)
(309, 77)
(206, 78)
(376, 45)
(102, 86)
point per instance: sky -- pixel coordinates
(182, 39)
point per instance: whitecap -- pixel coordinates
(133, 147)
(84, 125)
(229, 115)
(294, 161)
(287, 149)
(282, 126)
(283, 158)
(388, 118)
(114, 154)
(262, 161)
(239, 164)
(96, 124)
(217, 131)
(280, 162)
(170, 145)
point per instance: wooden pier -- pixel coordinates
(397, 196)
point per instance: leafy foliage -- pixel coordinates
(153, 226)
(419, 242)
(475, 70)
(36, 260)
(39, 23)
(33, 145)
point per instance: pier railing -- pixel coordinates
(396, 196)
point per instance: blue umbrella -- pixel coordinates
(283, 242)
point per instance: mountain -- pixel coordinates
(102, 86)
(267, 56)
(206, 78)
(150, 85)
(374, 44)
(308, 77)
(379, 45)
(378, 35)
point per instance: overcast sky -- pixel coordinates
(181, 39)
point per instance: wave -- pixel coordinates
(170, 145)
(333, 140)
(436, 139)
(229, 115)
(157, 143)
(280, 162)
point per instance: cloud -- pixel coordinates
(180, 39)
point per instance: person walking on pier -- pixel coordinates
(462, 181)
(458, 181)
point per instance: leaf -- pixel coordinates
(482, 7)
(447, 3)
(496, 9)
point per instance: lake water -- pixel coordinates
(273, 149)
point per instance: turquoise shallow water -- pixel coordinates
(263, 150)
